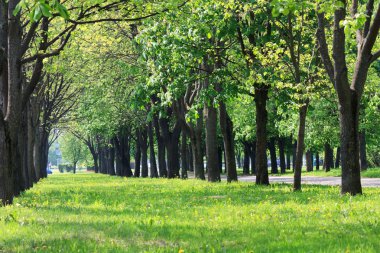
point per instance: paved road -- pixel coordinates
(366, 182)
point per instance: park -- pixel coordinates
(189, 126)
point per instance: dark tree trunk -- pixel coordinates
(281, 148)
(226, 127)
(238, 159)
(190, 159)
(6, 172)
(137, 154)
(300, 148)
(144, 152)
(273, 156)
(212, 143)
(261, 97)
(171, 139)
(31, 142)
(328, 162)
(294, 155)
(247, 150)
(44, 152)
(363, 151)
(309, 161)
(337, 158)
(349, 144)
(23, 149)
(111, 161)
(253, 157)
(152, 156)
(196, 146)
(184, 163)
(160, 148)
(317, 161)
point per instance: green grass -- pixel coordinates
(96, 213)
(369, 173)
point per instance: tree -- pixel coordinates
(73, 150)
(365, 24)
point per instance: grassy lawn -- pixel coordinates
(96, 213)
(369, 173)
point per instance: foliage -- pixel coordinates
(73, 150)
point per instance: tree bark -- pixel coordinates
(317, 161)
(261, 97)
(281, 148)
(152, 156)
(238, 159)
(212, 143)
(184, 167)
(196, 146)
(137, 154)
(144, 152)
(329, 158)
(300, 147)
(226, 127)
(337, 158)
(309, 161)
(273, 157)
(349, 143)
(247, 150)
(160, 148)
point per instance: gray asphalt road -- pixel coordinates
(366, 182)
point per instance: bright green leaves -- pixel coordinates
(351, 25)
(41, 8)
(281, 7)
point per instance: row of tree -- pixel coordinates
(143, 76)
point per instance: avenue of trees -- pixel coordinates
(160, 88)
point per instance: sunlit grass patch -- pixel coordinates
(97, 213)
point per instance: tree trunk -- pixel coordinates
(281, 148)
(152, 156)
(137, 154)
(212, 143)
(337, 158)
(363, 151)
(196, 146)
(111, 160)
(261, 97)
(144, 152)
(226, 127)
(238, 159)
(273, 157)
(190, 159)
(329, 158)
(160, 148)
(349, 144)
(309, 161)
(317, 161)
(247, 151)
(184, 155)
(171, 139)
(300, 147)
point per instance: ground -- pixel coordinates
(98, 213)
